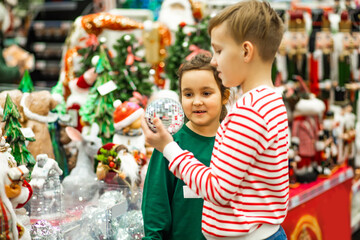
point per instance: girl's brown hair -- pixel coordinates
(202, 62)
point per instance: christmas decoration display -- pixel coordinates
(168, 111)
(14, 134)
(127, 123)
(297, 60)
(156, 37)
(43, 230)
(173, 12)
(16, 56)
(116, 165)
(176, 55)
(133, 73)
(305, 132)
(45, 182)
(99, 105)
(37, 107)
(199, 37)
(14, 193)
(129, 225)
(83, 26)
(96, 219)
(81, 184)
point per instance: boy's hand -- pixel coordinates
(159, 139)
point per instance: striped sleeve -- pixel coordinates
(242, 137)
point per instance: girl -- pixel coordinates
(170, 209)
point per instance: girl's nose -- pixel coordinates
(197, 102)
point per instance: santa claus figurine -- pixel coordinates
(127, 123)
(15, 192)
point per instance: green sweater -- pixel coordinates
(166, 213)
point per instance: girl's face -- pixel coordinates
(201, 100)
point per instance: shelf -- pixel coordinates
(355, 223)
(318, 187)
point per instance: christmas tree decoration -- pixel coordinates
(58, 92)
(168, 111)
(199, 36)
(91, 49)
(26, 84)
(176, 56)
(15, 136)
(99, 108)
(133, 71)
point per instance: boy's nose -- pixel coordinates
(213, 61)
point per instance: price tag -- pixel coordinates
(295, 201)
(73, 121)
(326, 185)
(341, 177)
(27, 132)
(107, 88)
(118, 210)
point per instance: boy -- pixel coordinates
(246, 186)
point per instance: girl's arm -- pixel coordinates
(157, 195)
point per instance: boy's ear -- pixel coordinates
(226, 96)
(248, 51)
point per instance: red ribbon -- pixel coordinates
(131, 57)
(195, 50)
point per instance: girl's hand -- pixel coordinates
(159, 139)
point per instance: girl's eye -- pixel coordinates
(207, 93)
(187, 94)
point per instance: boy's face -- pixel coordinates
(228, 56)
(201, 100)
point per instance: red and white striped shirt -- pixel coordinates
(246, 187)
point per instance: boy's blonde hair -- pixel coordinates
(253, 21)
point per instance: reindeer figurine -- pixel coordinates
(82, 182)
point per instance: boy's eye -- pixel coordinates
(187, 94)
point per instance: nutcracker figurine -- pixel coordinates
(297, 58)
(320, 67)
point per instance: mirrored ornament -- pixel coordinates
(168, 111)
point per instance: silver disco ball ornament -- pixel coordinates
(168, 111)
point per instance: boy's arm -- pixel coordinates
(246, 136)
(157, 196)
